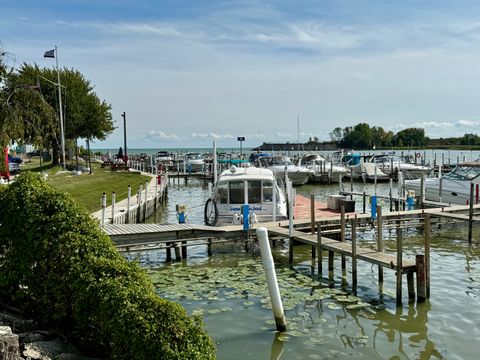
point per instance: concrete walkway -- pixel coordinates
(121, 207)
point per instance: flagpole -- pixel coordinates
(62, 135)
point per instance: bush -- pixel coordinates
(57, 263)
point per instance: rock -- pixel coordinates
(9, 347)
(46, 350)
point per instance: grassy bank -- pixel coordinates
(87, 189)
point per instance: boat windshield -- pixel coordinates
(232, 192)
(463, 173)
(275, 160)
(385, 159)
(193, 156)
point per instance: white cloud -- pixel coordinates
(212, 136)
(153, 135)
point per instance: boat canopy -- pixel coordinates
(465, 171)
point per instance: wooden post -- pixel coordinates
(380, 244)
(312, 214)
(319, 249)
(364, 202)
(129, 197)
(331, 266)
(146, 201)
(209, 247)
(421, 283)
(354, 255)
(411, 287)
(427, 254)
(399, 262)
(184, 250)
(422, 191)
(169, 252)
(351, 183)
(139, 205)
(342, 237)
(390, 193)
(178, 256)
(470, 214)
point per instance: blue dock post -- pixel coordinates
(245, 213)
(373, 206)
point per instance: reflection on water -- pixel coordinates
(324, 323)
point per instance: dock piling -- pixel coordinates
(354, 255)
(399, 262)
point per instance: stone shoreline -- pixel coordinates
(22, 339)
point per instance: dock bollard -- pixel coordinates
(273, 289)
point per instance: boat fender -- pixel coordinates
(236, 219)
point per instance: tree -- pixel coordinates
(358, 137)
(86, 116)
(410, 137)
(25, 116)
(337, 134)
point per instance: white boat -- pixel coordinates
(455, 186)
(391, 164)
(228, 196)
(281, 165)
(320, 166)
(194, 162)
(164, 158)
(368, 172)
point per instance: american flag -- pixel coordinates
(49, 54)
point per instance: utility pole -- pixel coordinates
(124, 134)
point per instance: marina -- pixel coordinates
(334, 278)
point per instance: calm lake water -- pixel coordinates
(324, 320)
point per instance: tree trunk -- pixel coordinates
(55, 155)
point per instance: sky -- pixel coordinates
(190, 72)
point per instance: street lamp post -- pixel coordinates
(241, 139)
(54, 54)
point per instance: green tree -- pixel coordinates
(25, 116)
(410, 137)
(86, 116)
(337, 134)
(358, 137)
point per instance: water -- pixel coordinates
(229, 290)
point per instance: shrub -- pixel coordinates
(56, 262)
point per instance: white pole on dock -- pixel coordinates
(400, 190)
(269, 266)
(210, 191)
(129, 196)
(113, 206)
(104, 205)
(375, 179)
(290, 209)
(274, 201)
(214, 162)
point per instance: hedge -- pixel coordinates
(57, 263)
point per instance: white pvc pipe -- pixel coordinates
(274, 201)
(113, 207)
(272, 283)
(290, 210)
(214, 162)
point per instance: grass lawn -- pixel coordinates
(87, 189)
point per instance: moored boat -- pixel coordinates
(451, 188)
(228, 195)
(281, 165)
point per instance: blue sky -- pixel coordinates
(190, 72)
